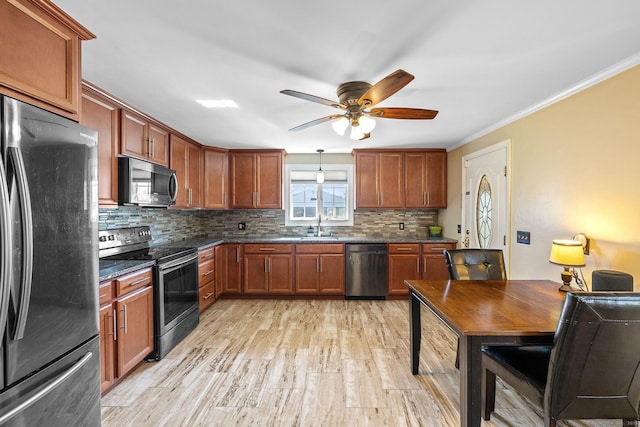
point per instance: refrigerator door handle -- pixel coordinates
(48, 387)
(27, 238)
(5, 250)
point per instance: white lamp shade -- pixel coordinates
(367, 124)
(340, 125)
(356, 132)
(567, 253)
(320, 177)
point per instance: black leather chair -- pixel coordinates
(474, 264)
(592, 370)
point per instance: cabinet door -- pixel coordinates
(280, 269)
(242, 180)
(434, 266)
(159, 145)
(391, 180)
(102, 115)
(331, 274)
(402, 267)
(135, 329)
(436, 185)
(107, 361)
(215, 179)
(133, 140)
(415, 180)
(255, 274)
(229, 268)
(179, 164)
(268, 181)
(194, 168)
(307, 277)
(367, 191)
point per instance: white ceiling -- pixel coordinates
(480, 63)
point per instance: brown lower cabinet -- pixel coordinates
(228, 273)
(413, 262)
(319, 269)
(126, 324)
(207, 278)
(268, 269)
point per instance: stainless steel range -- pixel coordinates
(175, 282)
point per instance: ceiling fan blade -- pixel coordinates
(403, 113)
(312, 98)
(316, 122)
(385, 88)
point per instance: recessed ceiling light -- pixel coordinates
(217, 103)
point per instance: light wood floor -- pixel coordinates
(304, 363)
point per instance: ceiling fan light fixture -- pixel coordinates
(356, 132)
(340, 125)
(367, 124)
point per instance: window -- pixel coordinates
(304, 198)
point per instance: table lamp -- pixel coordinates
(567, 253)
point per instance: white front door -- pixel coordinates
(485, 201)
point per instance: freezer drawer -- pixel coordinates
(65, 393)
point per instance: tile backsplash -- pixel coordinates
(173, 224)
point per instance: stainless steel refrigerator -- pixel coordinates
(49, 346)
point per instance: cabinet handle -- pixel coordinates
(103, 295)
(224, 198)
(137, 282)
(257, 199)
(320, 265)
(237, 255)
(438, 249)
(125, 318)
(265, 265)
(208, 295)
(208, 272)
(405, 249)
(424, 198)
(115, 324)
(269, 258)
(428, 198)
(153, 148)
(190, 196)
(417, 265)
(267, 249)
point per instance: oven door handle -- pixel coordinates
(177, 262)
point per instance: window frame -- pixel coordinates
(289, 221)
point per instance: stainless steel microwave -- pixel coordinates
(146, 184)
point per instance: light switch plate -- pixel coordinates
(523, 237)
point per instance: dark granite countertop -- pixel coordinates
(112, 268)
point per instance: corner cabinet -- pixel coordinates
(40, 49)
(186, 160)
(143, 139)
(401, 179)
(256, 179)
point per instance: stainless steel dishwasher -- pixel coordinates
(366, 271)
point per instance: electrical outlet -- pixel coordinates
(242, 226)
(523, 237)
(401, 226)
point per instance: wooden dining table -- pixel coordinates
(482, 313)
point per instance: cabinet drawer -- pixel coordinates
(436, 248)
(324, 248)
(206, 272)
(207, 296)
(258, 248)
(131, 282)
(206, 254)
(106, 291)
(399, 248)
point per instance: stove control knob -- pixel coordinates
(102, 238)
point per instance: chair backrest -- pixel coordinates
(611, 280)
(475, 264)
(594, 371)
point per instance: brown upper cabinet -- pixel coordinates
(425, 179)
(256, 179)
(143, 139)
(401, 179)
(216, 181)
(40, 55)
(186, 160)
(101, 114)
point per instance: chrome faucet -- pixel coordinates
(319, 232)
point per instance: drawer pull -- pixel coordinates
(137, 282)
(208, 272)
(405, 249)
(103, 295)
(267, 249)
(438, 249)
(209, 295)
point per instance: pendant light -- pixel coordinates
(320, 174)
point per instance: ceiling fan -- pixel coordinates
(357, 98)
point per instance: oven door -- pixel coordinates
(177, 291)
